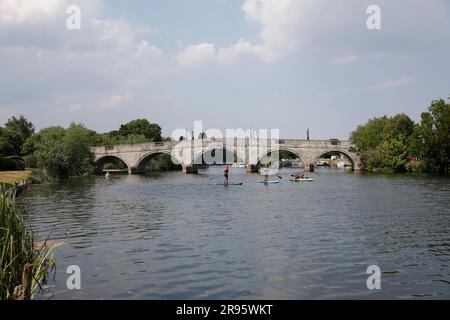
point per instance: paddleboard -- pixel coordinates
(303, 180)
(270, 181)
(230, 184)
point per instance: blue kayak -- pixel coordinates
(270, 181)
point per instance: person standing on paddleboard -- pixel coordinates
(226, 171)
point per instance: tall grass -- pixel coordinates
(38, 176)
(18, 252)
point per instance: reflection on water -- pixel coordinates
(183, 237)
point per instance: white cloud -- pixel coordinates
(16, 12)
(395, 83)
(196, 55)
(346, 59)
(279, 20)
(385, 85)
(114, 101)
(145, 50)
(76, 107)
(233, 53)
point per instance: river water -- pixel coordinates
(177, 236)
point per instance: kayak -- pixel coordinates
(230, 184)
(303, 180)
(270, 181)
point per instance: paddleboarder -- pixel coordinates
(226, 171)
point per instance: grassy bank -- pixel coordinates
(23, 264)
(10, 177)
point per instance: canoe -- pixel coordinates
(303, 180)
(270, 181)
(230, 184)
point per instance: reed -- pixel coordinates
(23, 266)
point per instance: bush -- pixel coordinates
(38, 176)
(416, 166)
(11, 164)
(30, 161)
(19, 251)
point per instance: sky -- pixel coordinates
(264, 64)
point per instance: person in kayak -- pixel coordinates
(226, 171)
(296, 176)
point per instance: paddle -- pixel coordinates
(219, 175)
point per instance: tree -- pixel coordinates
(78, 150)
(385, 143)
(64, 152)
(434, 134)
(16, 132)
(367, 139)
(6, 148)
(369, 135)
(150, 131)
(395, 148)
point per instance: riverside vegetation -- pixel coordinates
(24, 263)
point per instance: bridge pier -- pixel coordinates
(191, 169)
(309, 167)
(252, 168)
(135, 170)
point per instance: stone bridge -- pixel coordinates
(192, 153)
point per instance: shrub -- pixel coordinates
(19, 251)
(30, 161)
(11, 164)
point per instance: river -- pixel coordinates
(177, 236)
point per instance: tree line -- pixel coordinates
(398, 144)
(64, 152)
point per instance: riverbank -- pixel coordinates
(11, 177)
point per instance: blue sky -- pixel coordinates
(284, 64)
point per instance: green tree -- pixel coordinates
(396, 146)
(50, 151)
(434, 133)
(369, 135)
(385, 143)
(150, 131)
(6, 147)
(64, 152)
(16, 132)
(367, 139)
(78, 150)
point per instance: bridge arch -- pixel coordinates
(294, 152)
(198, 157)
(146, 158)
(354, 160)
(103, 159)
